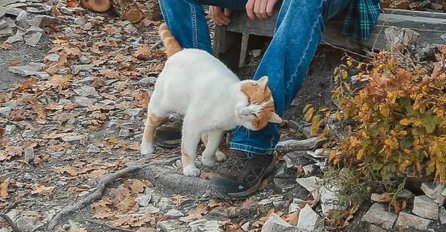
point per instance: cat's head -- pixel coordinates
(257, 109)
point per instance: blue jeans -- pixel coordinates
(298, 32)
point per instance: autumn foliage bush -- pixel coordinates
(395, 122)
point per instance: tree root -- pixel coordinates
(97, 194)
(10, 222)
(174, 182)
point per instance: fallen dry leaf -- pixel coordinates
(41, 189)
(123, 200)
(382, 198)
(292, 218)
(4, 185)
(72, 51)
(102, 208)
(143, 52)
(135, 220)
(25, 85)
(135, 186)
(5, 46)
(2, 131)
(10, 152)
(72, 3)
(195, 213)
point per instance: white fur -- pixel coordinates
(197, 85)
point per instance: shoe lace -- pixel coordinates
(236, 162)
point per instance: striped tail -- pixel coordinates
(171, 44)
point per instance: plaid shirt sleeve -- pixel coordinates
(361, 17)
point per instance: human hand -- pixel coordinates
(219, 15)
(261, 9)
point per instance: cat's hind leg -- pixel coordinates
(152, 122)
(211, 153)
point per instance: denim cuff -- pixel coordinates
(251, 149)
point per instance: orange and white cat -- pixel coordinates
(211, 98)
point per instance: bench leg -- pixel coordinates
(227, 47)
(244, 49)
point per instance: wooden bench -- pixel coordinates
(231, 42)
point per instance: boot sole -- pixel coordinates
(219, 193)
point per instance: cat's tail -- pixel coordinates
(171, 44)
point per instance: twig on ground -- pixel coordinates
(109, 226)
(349, 51)
(10, 222)
(157, 44)
(102, 183)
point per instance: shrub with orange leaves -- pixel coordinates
(397, 120)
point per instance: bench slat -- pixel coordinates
(431, 29)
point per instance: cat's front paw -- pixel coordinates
(208, 161)
(146, 149)
(220, 156)
(191, 171)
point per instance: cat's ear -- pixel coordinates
(263, 82)
(274, 118)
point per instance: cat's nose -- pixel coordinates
(245, 112)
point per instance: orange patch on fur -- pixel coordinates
(185, 158)
(152, 123)
(259, 95)
(171, 45)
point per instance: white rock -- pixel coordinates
(86, 91)
(425, 207)
(245, 227)
(133, 112)
(309, 220)
(9, 129)
(147, 81)
(93, 149)
(319, 153)
(380, 216)
(275, 223)
(373, 228)
(84, 60)
(29, 154)
(442, 215)
(173, 213)
(312, 184)
(80, 21)
(299, 145)
(84, 101)
(124, 133)
(165, 204)
(52, 57)
(308, 169)
(143, 200)
(406, 220)
(172, 225)
(72, 138)
(33, 39)
(27, 70)
(42, 75)
(329, 199)
(5, 111)
(203, 225)
(130, 29)
(17, 37)
(294, 206)
(434, 191)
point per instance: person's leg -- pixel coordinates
(297, 35)
(186, 20)
(285, 62)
